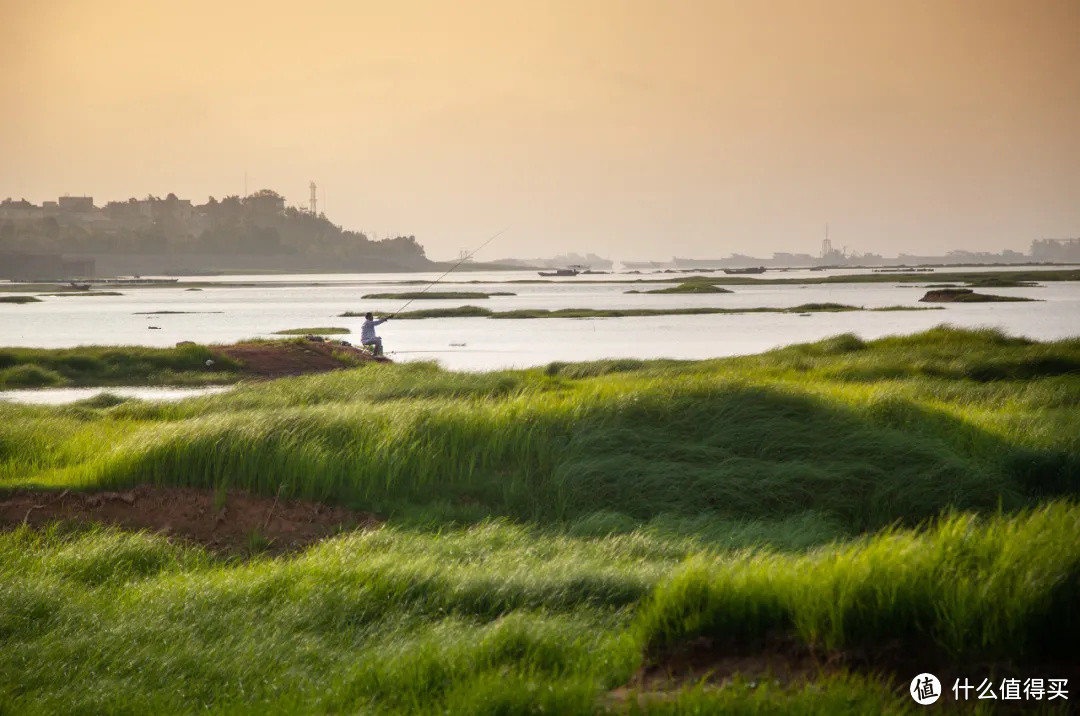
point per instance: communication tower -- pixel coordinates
(826, 245)
(314, 201)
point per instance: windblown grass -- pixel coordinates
(550, 530)
(997, 588)
(111, 365)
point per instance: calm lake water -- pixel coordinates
(220, 314)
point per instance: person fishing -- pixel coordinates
(367, 329)
(367, 332)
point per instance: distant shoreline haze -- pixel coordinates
(258, 232)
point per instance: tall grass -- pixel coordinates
(994, 588)
(499, 618)
(862, 433)
(112, 365)
(551, 530)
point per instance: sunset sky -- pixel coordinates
(632, 128)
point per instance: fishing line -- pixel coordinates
(464, 258)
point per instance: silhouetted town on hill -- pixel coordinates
(71, 237)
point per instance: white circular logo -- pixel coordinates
(925, 689)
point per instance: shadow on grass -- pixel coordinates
(628, 460)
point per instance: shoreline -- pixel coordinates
(1015, 275)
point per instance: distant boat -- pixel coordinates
(572, 270)
(754, 269)
(903, 269)
(137, 281)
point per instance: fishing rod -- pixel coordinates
(464, 258)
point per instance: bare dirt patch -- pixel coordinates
(703, 660)
(285, 358)
(788, 662)
(233, 522)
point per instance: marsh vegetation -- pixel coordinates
(552, 532)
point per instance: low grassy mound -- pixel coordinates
(688, 287)
(323, 331)
(28, 376)
(554, 536)
(413, 295)
(84, 293)
(1000, 282)
(19, 299)
(966, 295)
(184, 365)
(965, 589)
(456, 312)
(105, 365)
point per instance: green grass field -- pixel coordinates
(552, 532)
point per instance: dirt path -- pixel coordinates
(237, 523)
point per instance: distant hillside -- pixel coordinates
(256, 232)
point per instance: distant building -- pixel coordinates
(21, 210)
(1056, 250)
(76, 204)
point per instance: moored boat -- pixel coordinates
(569, 271)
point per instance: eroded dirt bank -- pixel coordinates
(232, 521)
(284, 358)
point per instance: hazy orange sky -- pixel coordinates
(633, 128)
